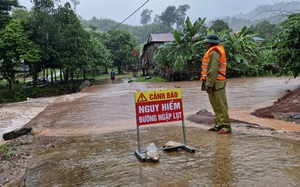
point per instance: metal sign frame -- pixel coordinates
(159, 106)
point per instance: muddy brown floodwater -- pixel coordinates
(97, 133)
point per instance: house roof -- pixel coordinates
(258, 39)
(162, 37)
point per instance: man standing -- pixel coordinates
(112, 75)
(213, 75)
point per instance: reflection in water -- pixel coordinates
(222, 172)
(109, 81)
(108, 160)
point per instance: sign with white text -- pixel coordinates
(158, 106)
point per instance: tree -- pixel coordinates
(287, 45)
(146, 16)
(183, 56)
(157, 19)
(266, 30)
(44, 31)
(120, 44)
(243, 57)
(189, 40)
(72, 42)
(181, 12)
(169, 16)
(219, 25)
(15, 46)
(5, 7)
(75, 3)
(278, 12)
(99, 55)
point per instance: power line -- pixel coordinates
(130, 15)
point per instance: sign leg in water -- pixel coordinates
(159, 106)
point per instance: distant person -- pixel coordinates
(213, 75)
(112, 75)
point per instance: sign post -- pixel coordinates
(159, 106)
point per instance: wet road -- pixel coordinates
(100, 130)
(108, 160)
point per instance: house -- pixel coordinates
(153, 42)
(259, 40)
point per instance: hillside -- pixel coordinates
(273, 13)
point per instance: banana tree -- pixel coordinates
(189, 39)
(183, 55)
(243, 56)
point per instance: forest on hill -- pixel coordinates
(173, 18)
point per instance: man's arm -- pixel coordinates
(212, 69)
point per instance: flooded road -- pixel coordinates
(108, 160)
(99, 138)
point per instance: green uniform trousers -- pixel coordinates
(219, 104)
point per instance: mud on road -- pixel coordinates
(108, 108)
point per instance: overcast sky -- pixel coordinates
(119, 10)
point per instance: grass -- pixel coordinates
(151, 79)
(4, 151)
(22, 92)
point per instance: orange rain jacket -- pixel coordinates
(222, 63)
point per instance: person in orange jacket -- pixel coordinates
(213, 75)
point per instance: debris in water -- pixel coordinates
(152, 154)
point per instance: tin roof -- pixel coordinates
(162, 37)
(258, 39)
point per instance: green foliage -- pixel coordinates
(73, 41)
(120, 44)
(243, 57)
(287, 46)
(140, 33)
(5, 7)
(265, 29)
(161, 24)
(14, 47)
(185, 54)
(219, 25)
(23, 92)
(169, 16)
(146, 16)
(268, 64)
(50, 37)
(5, 152)
(99, 56)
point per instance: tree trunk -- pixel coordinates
(84, 74)
(51, 74)
(16, 133)
(35, 74)
(66, 75)
(61, 74)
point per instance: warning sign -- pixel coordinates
(157, 95)
(158, 106)
(142, 98)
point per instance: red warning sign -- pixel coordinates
(158, 106)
